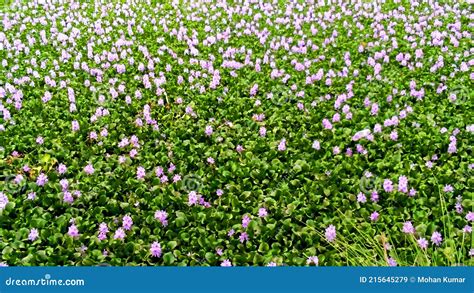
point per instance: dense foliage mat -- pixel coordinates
(236, 133)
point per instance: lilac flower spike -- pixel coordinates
(330, 233)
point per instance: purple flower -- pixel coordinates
(33, 234)
(361, 198)
(226, 263)
(392, 262)
(67, 197)
(282, 145)
(470, 216)
(448, 188)
(403, 184)
(253, 90)
(422, 243)
(3, 201)
(141, 173)
(103, 228)
(75, 125)
(388, 185)
(231, 233)
(42, 179)
(171, 168)
(18, 179)
(176, 178)
(127, 222)
(89, 169)
(374, 216)
(316, 145)
(64, 184)
(219, 192)
(239, 148)
(164, 179)
(210, 160)
(262, 131)
(208, 131)
(62, 169)
(327, 124)
(377, 128)
(408, 228)
(467, 229)
(119, 234)
(245, 221)
(361, 134)
(349, 152)
(31, 196)
(39, 140)
(330, 233)
(192, 198)
(243, 237)
(159, 171)
(102, 236)
(262, 212)
(271, 264)
(374, 196)
(394, 135)
(73, 231)
(312, 260)
(155, 249)
(436, 238)
(162, 217)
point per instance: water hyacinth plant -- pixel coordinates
(241, 133)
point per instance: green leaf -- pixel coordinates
(169, 258)
(172, 244)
